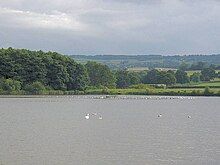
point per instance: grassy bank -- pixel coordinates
(170, 92)
(131, 91)
(199, 89)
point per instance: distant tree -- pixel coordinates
(125, 78)
(152, 77)
(213, 66)
(195, 77)
(168, 78)
(100, 75)
(142, 75)
(208, 74)
(218, 74)
(122, 79)
(171, 72)
(181, 77)
(184, 66)
(198, 66)
(134, 78)
(160, 77)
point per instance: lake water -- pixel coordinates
(54, 131)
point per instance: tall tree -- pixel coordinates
(81, 79)
(152, 77)
(125, 78)
(208, 74)
(100, 75)
(181, 77)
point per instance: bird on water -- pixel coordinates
(87, 116)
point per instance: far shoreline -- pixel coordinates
(106, 96)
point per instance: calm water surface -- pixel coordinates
(54, 131)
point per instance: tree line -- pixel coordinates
(21, 69)
(198, 66)
(193, 62)
(34, 72)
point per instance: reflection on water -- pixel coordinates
(53, 130)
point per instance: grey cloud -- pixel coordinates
(112, 26)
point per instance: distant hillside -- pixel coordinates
(151, 61)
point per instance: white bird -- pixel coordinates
(100, 117)
(189, 117)
(159, 115)
(87, 116)
(94, 114)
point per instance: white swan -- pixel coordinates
(93, 114)
(87, 116)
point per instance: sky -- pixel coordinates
(91, 27)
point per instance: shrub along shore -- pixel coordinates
(125, 91)
(157, 91)
(24, 72)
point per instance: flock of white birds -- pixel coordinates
(88, 116)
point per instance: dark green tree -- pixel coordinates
(181, 77)
(81, 79)
(122, 79)
(198, 66)
(195, 77)
(208, 74)
(134, 77)
(51, 69)
(100, 75)
(184, 66)
(152, 77)
(168, 78)
(160, 77)
(57, 76)
(218, 74)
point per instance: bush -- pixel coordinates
(141, 86)
(195, 93)
(35, 88)
(76, 92)
(55, 92)
(10, 86)
(149, 91)
(207, 91)
(195, 77)
(105, 90)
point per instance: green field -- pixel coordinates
(139, 69)
(212, 83)
(190, 72)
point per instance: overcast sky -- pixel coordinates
(112, 26)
